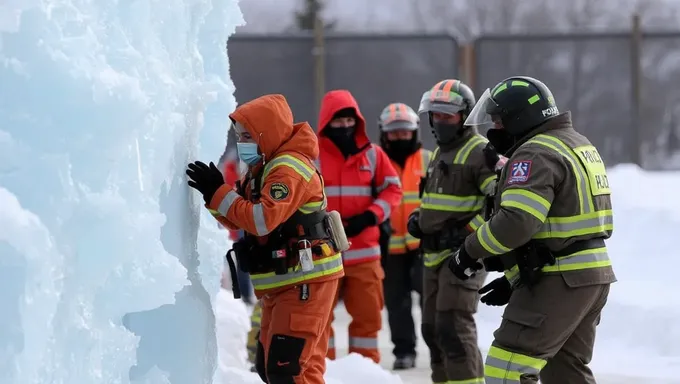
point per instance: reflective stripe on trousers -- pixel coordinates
(357, 342)
(505, 367)
(322, 267)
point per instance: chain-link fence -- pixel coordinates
(622, 91)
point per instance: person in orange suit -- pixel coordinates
(399, 125)
(362, 185)
(287, 249)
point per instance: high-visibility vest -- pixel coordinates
(414, 169)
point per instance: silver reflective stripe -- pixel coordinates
(226, 202)
(425, 158)
(464, 153)
(258, 216)
(528, 202)
(297, 165)
(363, 342)
(346, 191)
(385, 207)
(357, 254)
(489, 242)
(597, 256)
(371, 156)
(389, 180)
(331, 342)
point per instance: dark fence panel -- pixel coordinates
(271, 64)
(379, 70)
(588, 74)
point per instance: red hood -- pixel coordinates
(336, 100)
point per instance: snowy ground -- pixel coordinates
(637, 338)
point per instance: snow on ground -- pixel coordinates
(637, 337)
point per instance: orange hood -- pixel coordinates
(270, 122)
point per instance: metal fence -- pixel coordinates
(621, 88)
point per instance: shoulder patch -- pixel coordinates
(278, 191)
(519, 172)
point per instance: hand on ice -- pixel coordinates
(205, 179)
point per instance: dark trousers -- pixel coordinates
(403, 274)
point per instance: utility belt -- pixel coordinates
(533, 256)
(288, 246)
(448, 238)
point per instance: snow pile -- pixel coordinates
(104, 277)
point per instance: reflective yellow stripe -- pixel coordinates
(489, 242)
(526, 201)
(477, 380)
(295, 164)
(425, 160)
(434, 259)
(464, 152)
(476, 222)
(322, 267)
(586, 259)
(451, 203)
(488, 185)
(505, 367)
(598, 222)
(586, 201)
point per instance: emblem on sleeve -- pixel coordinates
(278, 191)
(519, 172)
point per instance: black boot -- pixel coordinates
(404, 362)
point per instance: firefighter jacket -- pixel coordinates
(231, 174)
(458, 181)
(289, 185)
(361, 182)
(415, 169)
(553, 190)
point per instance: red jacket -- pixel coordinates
(349, 182)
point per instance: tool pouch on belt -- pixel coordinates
(531, 258)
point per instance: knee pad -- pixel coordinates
(446, 335)
(283, 360)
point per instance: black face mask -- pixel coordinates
(400, 150)
(445, 132)
(343, 138)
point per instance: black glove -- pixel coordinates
(491, 157)
(413, 225)
(356, 224)
(493, 264)
(205, 179)
(499, 292)
(462, 265)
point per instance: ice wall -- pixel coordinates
(104, 275)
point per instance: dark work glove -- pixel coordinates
(462, 265)
(498, 292)
(493, 264)
(491, 157)
(356, 224)
(205, 179)
(413, 225)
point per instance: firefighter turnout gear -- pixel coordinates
(254, 333)
(358, 178)
(456, 186)
(552, 215)
(293, 264)
(399, 125)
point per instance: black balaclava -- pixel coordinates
(400, 150)
(343, 138)
(446, 133)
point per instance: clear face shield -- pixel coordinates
(483, 116)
